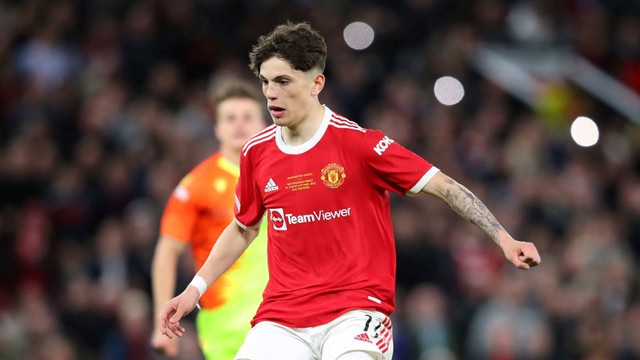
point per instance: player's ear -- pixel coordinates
(318, 84)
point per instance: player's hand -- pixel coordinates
(164, 345)
(522, 254)
(175, 309)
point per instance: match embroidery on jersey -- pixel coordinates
(363, 337)
(271, 186)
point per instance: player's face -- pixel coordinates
(237, 119)
(291, 94)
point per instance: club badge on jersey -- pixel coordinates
(333, 175)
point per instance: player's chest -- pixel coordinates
(316, 177)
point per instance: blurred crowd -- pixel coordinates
(104, 106)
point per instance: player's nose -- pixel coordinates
(270, 91)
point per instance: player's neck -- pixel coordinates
(230, 154)
(304, 130)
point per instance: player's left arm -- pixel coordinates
(522, 254)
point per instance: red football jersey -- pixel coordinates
(331, 246)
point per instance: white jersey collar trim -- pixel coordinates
(309, 144)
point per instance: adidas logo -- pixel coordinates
(271, 186)
(363, 337)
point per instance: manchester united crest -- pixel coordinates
(333, 175)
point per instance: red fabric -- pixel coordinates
(331, 246)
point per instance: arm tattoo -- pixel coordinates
(467, 205)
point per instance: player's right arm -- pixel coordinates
(233, 241)
(163, 281)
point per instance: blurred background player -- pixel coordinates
(198, 210)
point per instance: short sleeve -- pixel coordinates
(180, 214)
(394, 167)
(249, 207)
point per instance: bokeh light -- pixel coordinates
(448, 90)
(358, 35)
(584, 131)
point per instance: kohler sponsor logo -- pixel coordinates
(382, 145)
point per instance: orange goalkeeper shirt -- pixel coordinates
(199, 209)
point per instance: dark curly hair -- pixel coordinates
(298, 43)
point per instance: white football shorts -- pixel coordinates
(357, 330)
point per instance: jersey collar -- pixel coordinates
(309, 144)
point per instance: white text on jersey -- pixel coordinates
(278, 217)
(382, 145)
(317, 216)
